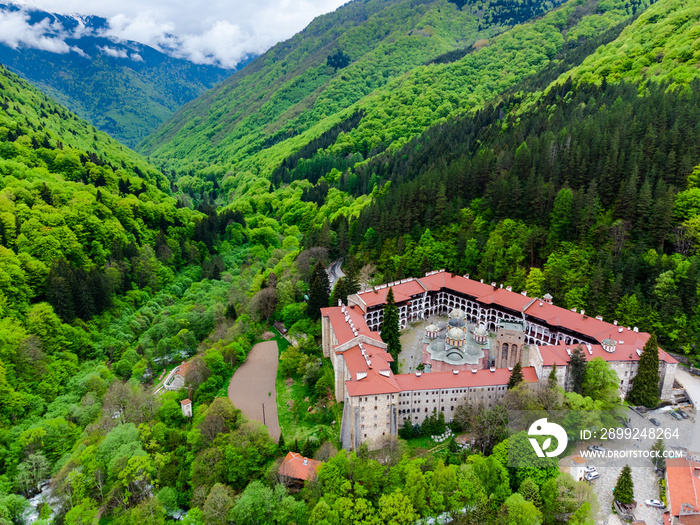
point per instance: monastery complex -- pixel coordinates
(469, 358)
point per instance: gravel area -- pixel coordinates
(412, 346)
(253, 385)
(645, 480)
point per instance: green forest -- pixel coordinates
(552, 148)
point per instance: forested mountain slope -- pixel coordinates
(582, 186)
(308, 82)
(79, 217)
(124, 88)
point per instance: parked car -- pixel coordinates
(591, 476)
(588, 470)
(673, 414)
(654, 503)
(655, 421)
(596, 448)
(683, 414)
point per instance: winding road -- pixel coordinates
(335, 272)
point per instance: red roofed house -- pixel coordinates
(177, 379)
(297, 467)
(377, 401)
(683, 491)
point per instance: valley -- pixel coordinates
(524, 174)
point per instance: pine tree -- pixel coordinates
(645, 389)
(516, 376)
(307, 449)
(577, 367)
(319, 291)
(552, 379)
(281, 443)
(390, 330)
(624, 490)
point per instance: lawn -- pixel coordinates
(297, 422)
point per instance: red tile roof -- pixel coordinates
(683, 484)
(443, 380)
(185, 402)
(558, 354)
(298, 467)
(403, 291)
(343, 329)
(183, 369)
(628, 341)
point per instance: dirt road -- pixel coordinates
(252, 387)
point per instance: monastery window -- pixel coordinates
(363, 426)
(365, 435)
(363, 409)
(375, 416)
(375, 425)
(426, 409)
(452, 407)
(442, 409)
(375, 398)
(375, 407)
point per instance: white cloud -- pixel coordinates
(136, 57)
(16, 32)
(113, 52)
(214, 31)
(82, 53)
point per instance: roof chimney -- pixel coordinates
(418, 373)
(455, 372)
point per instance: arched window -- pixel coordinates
(504, 352)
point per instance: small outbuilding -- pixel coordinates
(298, 469)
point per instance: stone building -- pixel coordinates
(531, 331)
(510, 343)
(178, 377)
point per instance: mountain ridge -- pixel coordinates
(125, 88)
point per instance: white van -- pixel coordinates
(591, 476)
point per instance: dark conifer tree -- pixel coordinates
(516, 376)
(319, 291)
(552, 379)
(390, 330)
(645, 389)
(624, 490)
(577, 367)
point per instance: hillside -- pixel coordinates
(125, 89)
(309, 81)
(567, 183)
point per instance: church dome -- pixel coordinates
(458, 322)
(481, 331)
(432, 328)
(456, 333)
(457, 313)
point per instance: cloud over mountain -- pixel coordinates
(218, 32)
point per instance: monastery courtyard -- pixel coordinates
(440, 356)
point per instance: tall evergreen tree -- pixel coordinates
(552, 379)
(319, 291)
(390, 330)
(624, 490)
(577, 366)
(516, 376)
(645, 389)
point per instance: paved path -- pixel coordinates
(335, 272)
(252, 387)
(691, 384)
